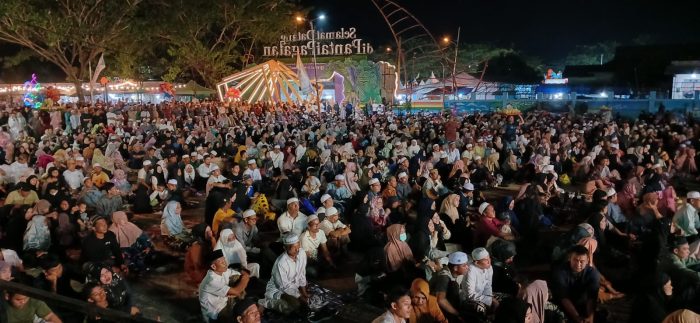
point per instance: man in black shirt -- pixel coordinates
(575, 286)
(101, 246)
(446, 285)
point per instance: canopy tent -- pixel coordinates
(269, 81)
(193, 89)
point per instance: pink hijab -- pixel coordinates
(397, 251)
(126, 232)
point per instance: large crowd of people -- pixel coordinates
(442, 217)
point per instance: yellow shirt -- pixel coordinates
(100, 179)
(219, 217)
(15, 197)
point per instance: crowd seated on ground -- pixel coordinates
(441, 217)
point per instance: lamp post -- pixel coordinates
(313, 51)
(454, 63)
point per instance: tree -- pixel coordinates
(208, 40)
(67, 33)
(591, 54)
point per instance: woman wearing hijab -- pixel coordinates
(424, 306)
(118, 292)
(121, 182)
(507, 206)
(171, 224)
(234, 252)
(99, 158)
(653, 305)
(66, 233)
(535, 295)
(399, 262)
(134, 243)
(37, 236)
(682, 316)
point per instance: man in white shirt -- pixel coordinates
(214, 290)
(326, 202)
(292, 221)
(204, 170)
(686, 218)
(452, 153)
(253, 171)
(313, 241)
(399, 307)
(286, 290)
(479, 281)
(337, 233)
(277, 157)
(300, 150)
(73, 177)
(215, 179)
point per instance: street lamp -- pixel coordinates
(447, 41)
(313, 50)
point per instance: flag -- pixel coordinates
(304, 81)
(100, 66)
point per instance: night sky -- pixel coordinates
(548, 29)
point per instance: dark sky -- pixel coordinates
(548, 29)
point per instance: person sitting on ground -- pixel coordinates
(338, 234)
(101, 246)
(398, 303)
(118, 292)
(654, 304)
(23, 195)
(196, 265)
(110, 202)
(313, 241)
(25, 309)
(449, 284)
(171, 224)
(479, 283)
(223, 215)
(292, 221)
(135, 244)
(235, 254)
(246, 311)
(679, 264)
(687, 218)
(286, 291)
(575, 286)
(425, 307)
(216, 296)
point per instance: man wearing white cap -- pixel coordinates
(326, 202)
(614, 211)
(686, 218)
(313, 242)
(292, 221)
(215, 179)
(253, 170)
(403, 187)
(468, 153)
(488, 225)
(449, 283)
(286, 290)
(453, 154)
(338, 234)
(99, 178)
(277, 157)
(247, 232)
(479, 281)
(338, 190)
(433, 188)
